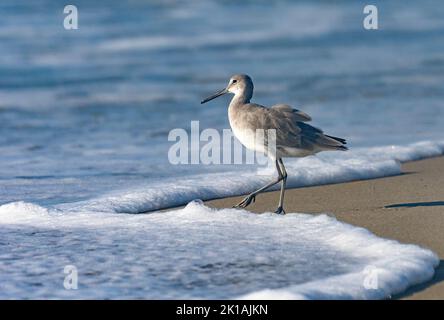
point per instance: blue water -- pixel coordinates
(84, 120)
(88, 111)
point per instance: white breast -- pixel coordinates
(247, 136)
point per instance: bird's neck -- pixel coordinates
(240, 98)
(236, 104)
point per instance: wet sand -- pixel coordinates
(408, 208)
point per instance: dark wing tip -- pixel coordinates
(341, 140)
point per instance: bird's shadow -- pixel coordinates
(416, 204)
(437, 278)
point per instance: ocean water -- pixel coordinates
(200, 253)
(88, 111)
(85, 114)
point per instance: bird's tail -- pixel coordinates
(334, 143)
(341, 148)
(343, 141)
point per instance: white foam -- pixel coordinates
(198, 252)
(19, 212)
(324, 169)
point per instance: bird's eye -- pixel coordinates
(234, 81)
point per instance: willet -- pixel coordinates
(294, 137)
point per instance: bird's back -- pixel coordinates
(294, 137)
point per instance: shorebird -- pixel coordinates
(293, 136)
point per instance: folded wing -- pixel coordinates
(293, 132)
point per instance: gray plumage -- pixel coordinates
(294, 136)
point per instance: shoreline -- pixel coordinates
(408, 208)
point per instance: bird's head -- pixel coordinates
(238, 84)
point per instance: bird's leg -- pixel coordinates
(280, 209)
(252, 196)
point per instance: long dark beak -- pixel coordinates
(214, 96)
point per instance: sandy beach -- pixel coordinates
(116, 121)
(408, 208)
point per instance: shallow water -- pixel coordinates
(88, 111)
(85, 115)
(198, 252)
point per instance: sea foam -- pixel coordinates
(199, 252)
(327, 168)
